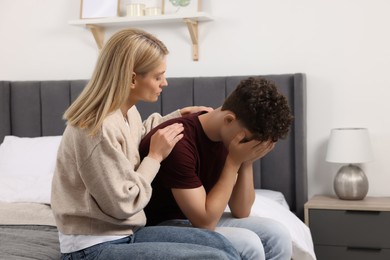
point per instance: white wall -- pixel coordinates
(342, 46)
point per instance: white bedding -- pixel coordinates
(24, 213)
(270, 205)
(27, 167)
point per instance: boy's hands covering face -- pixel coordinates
(241, 151)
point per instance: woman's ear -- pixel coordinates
(133, 76)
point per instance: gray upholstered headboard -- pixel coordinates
(35, 108)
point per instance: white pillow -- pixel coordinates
(26, 168)
(35, 189)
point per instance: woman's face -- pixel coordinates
(149, 86)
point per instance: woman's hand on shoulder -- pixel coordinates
(163, 141)
(194, 109)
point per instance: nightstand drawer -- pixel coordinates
(345, 253)
(349, 228)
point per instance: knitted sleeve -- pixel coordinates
(155, 119)
(119, 190)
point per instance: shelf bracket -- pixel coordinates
(98, 34)
(193, 30)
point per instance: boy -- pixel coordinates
(211, 167)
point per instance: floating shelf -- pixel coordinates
(98, 25)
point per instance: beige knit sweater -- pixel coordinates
(100, 187)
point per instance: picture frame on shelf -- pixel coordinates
(181, 6)
(99, 8)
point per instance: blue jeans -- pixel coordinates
(161, 242)
(274, 236)
(254, 238)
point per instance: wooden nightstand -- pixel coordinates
(349, 229)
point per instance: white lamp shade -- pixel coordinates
(349, 145)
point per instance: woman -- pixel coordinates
(100, 186)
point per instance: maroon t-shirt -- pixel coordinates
(194, 161)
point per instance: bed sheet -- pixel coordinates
(29, 242)
(28, 231)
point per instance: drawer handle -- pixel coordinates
(367, 249)
(365, 212)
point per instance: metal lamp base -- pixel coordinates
(350, 183)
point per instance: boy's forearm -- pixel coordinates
(218, 197)
(243, 194)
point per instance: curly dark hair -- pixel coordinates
(260, 108)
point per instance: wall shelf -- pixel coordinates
(97, 26)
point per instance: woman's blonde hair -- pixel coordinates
(127, 51)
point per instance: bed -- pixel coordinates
(30, 131)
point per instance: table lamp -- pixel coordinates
(350, 146)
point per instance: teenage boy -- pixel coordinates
(211, 167)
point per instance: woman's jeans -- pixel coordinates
(254, 238)
(161, 242)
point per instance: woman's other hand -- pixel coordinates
(194, 109)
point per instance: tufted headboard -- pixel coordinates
(35, 108)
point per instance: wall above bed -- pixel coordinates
(346, 72)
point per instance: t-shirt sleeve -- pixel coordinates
(179, 169)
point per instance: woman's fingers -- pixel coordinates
(163, 141)
(171, 132)
(194, 109)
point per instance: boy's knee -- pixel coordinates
(283, 246)
(246, 242)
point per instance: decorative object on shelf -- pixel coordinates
(99, 8)
(352, 146)
(151, 7)
(150, 11)
(135, 10)
(181, 6)
(98, 25)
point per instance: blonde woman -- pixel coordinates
(100, 186)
